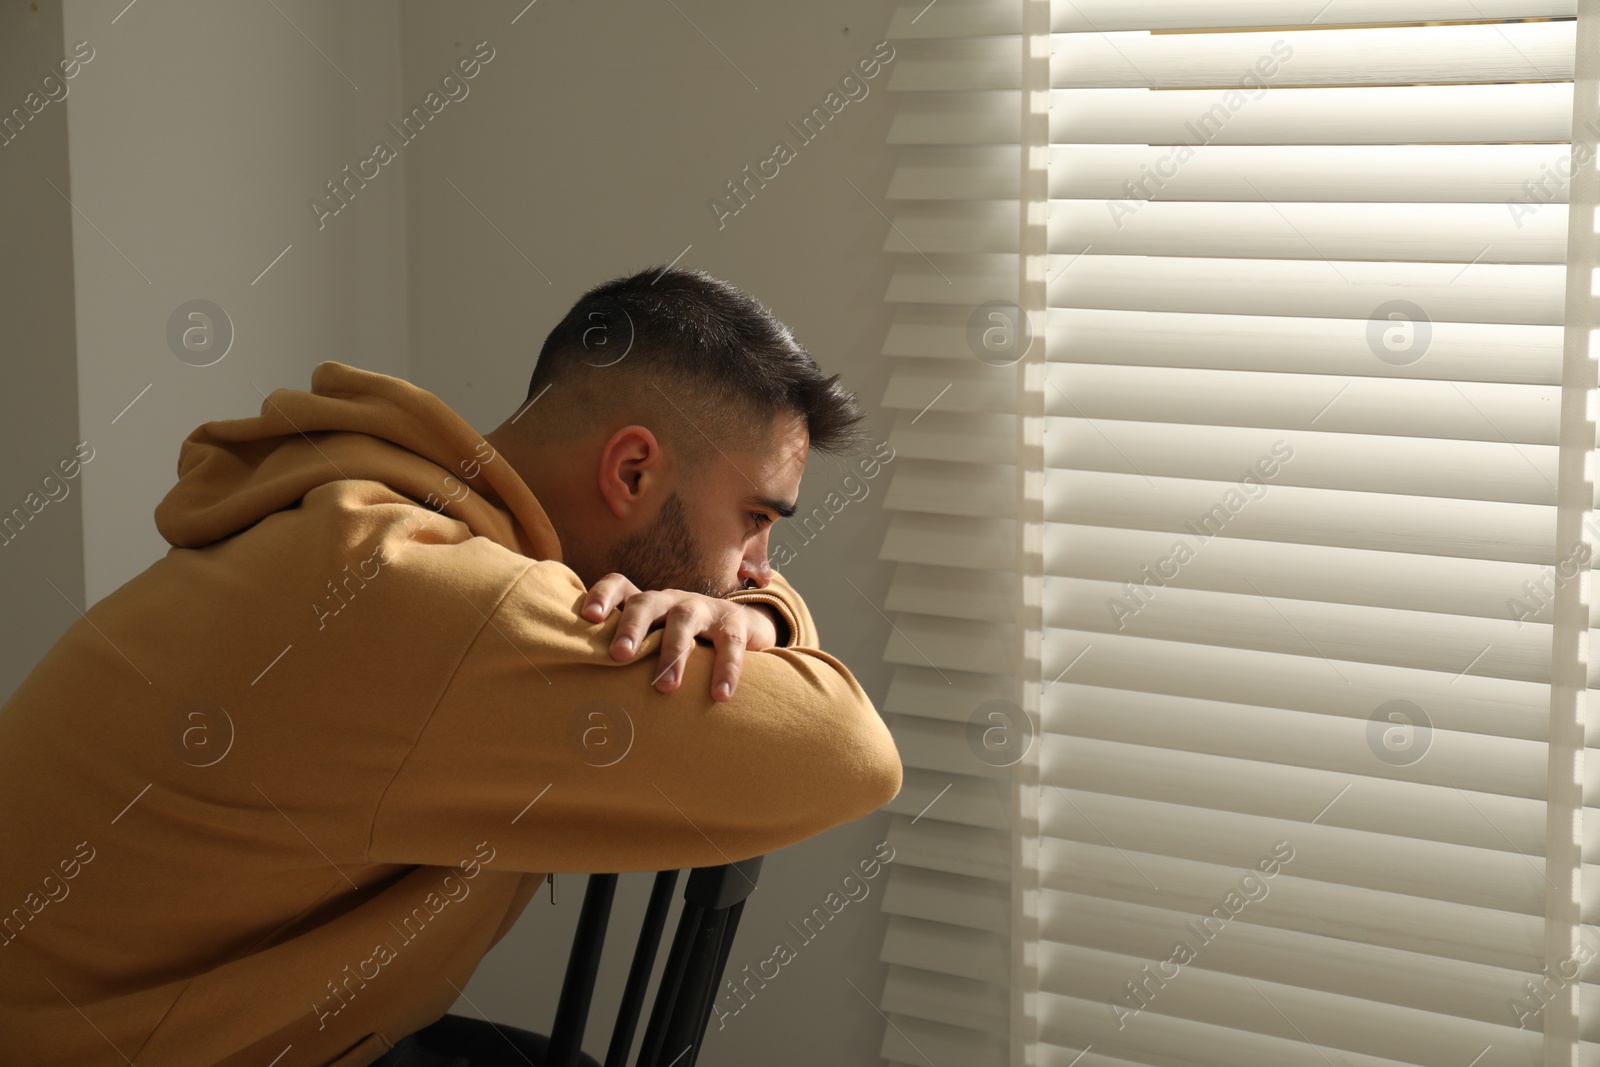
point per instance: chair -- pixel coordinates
(712, 902)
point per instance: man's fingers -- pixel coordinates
(605, 595)
(730, 658)
(684, 622)
(639, 612)
(666, 679)
(686, 617)
(595, 605)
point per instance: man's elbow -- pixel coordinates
(876, 772)
(850, 797)
(890, 776)
(848, 766)
(847, 782)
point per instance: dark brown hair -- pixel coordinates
(703, 364)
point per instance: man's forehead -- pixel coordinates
(771, 479)
(788, 445)
(794, 439)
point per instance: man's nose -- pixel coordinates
(758, 571)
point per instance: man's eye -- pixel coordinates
(760, 517)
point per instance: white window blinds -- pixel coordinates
(953, 534)
(1315, 473)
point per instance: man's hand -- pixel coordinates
(732, 627)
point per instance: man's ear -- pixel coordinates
(630, 469)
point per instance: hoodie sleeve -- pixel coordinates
(565, 759)
(780, 596)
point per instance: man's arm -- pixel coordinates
(566, 759)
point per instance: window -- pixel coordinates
(1245, 399)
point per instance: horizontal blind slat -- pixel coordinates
(1530, 294)
(1347, 173)
(1435, 871)
(1325, 636)
(1408, 114)
(974, 18)
(1503, 808)
(1447, 929)
(1263, 460)
(950, 541)
(1358, 1031)
(1095, 16)
(1435, 232)
(962, 1002)
(1418, 581)
(1250, 61)
(1473, 529)
(1249, 720)
(980, 955)
(1456, 352)
(1396, 410)
(1077, 930)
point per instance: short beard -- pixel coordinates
(666, 555)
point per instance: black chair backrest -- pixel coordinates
(712, 901)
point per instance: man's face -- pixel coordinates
(711, 537)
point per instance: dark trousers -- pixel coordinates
(460, 1041)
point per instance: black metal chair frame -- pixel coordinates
(713, 898)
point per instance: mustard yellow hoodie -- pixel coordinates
(272, 800)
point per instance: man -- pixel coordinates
(272, 800)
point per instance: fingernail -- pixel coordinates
(723, 689)
(627, 644)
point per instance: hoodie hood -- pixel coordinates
(353, 424)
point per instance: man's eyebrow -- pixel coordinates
(771, 504)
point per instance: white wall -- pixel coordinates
(198, 132)
(593, 142)
(41, 509)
